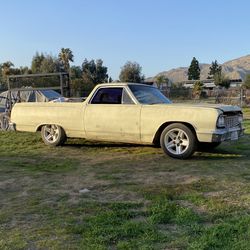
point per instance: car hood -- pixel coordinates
(222, 107)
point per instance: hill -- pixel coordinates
(234, 69)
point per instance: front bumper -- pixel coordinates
(231, 134)
(220, 135)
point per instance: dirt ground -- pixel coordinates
(90, 195)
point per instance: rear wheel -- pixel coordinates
(53, 135)
(178, 141)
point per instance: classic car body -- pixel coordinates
(133, 113)
(9, 98)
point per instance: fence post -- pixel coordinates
(241, 97)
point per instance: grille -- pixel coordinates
(232, 121)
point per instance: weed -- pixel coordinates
(138, 198)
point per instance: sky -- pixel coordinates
(158, 34)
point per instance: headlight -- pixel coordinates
(221, 121)
(240, 118)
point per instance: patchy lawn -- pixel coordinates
(88, 195)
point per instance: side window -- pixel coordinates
(126, 99)
(108, 96)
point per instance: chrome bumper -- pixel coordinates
(231, 134)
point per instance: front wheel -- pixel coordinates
(178, 141)
(53, 135)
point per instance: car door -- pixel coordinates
(112, 115)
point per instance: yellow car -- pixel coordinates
(132, 113)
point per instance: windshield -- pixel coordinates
(148, 95)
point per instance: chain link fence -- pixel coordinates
(232, 96)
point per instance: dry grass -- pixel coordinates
(138, 198)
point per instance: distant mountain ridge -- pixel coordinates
(233, 69)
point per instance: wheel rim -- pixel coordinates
(176, 141)
(51, 133)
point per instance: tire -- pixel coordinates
(207, 146)
(178, 141)
(4, 122)
(53, 135)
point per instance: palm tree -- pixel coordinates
(66, 56)
(5, 67)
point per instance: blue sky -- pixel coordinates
(158, 34)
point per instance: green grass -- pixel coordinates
(138, 198)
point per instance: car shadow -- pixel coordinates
(93, 144)
(211, 155)
(217, 154)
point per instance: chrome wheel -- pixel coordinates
(176, 141)
(53, 135)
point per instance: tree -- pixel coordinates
(221, 80)
(76, 72)
(161, 79)
(76, 83)
(101, 72)
(110, 79)
(131, 72)
(6, 69)
(214, 69)
(1, 75)
(66, 56)
(246, 83)
(77, 86)
(94, 72)
(198, 86)
(37, 62)
(50, 64)
(194, 70)
(25, 70)
(42, 63)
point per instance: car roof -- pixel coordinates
(122, 84)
